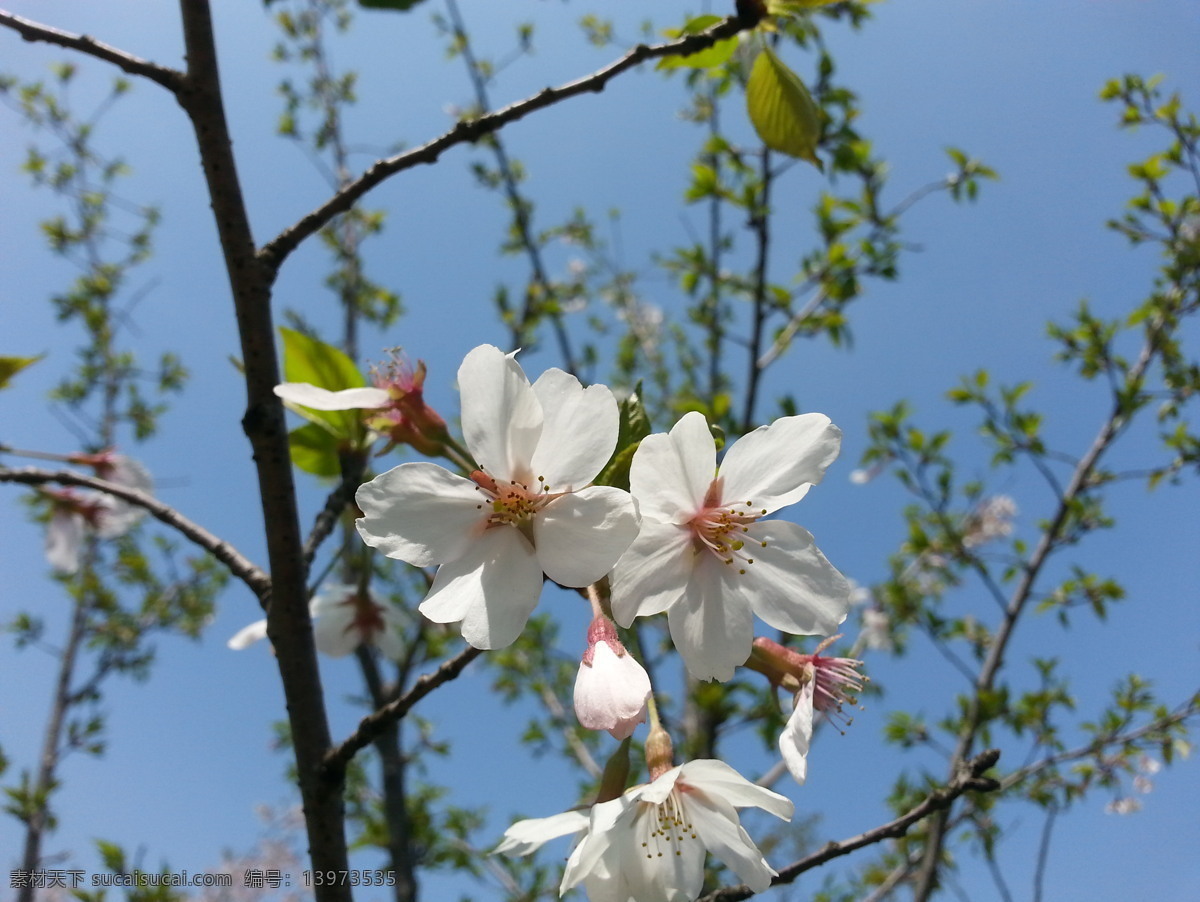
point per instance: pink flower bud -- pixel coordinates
(611, 688)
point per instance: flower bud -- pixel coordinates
(611, 687)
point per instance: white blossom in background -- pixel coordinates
(991, 519)
(649, 844)
(707, 555)
(343, 619)
(75, 513)
(527, 510)
(611, 687)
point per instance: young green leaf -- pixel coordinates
(10, 366)
(781, 109)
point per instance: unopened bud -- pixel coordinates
(660, 753)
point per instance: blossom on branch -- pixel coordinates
(75, 513)
(649, 844)
(343, 619)
(611, 687)
(707, 555)
(821, 685)
(527, 509)
(396, 405)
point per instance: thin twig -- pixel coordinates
(257, 580)
(970, 779)
(169, 78)
(373, 724)
(277, 250)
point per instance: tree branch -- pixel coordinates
(376, 722)
(169, 78)
(273, 254)
(257, 580)
(970, 779)
(289, 626)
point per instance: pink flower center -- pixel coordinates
(511, 503)
(720, 528)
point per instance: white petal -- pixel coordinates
(712, 626)
(675, 875)
(420, 513)
(610, 693)
(317, 398)
(608, 820)
(334, 632)
(671, 473)
(719, 779)
(390, 640)
(525, 837)
(329, 598)
(64, 539)
(579, 430)
(492, 589)
(580, 536)
(653, 574)
(796, 738)
(718, 827)
(791, 585)
(501, 416)
(115, 517)
(248, 635)
(130, 473)
(774, 465)
(658, 790)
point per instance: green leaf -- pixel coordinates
(314, 450)
(708, 58)
(308, 359)
(781, 109)
(10, 366)
(634, 425)
(398, 5)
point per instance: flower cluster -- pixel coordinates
(532, 499)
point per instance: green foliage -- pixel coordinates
(10, 366)
(781, 109)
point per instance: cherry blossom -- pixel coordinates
(395, 404)
(611, 687)
(821, 685)
(75, 513)
(707, 554)
(649, 844)
(527, 509)
(343, 619)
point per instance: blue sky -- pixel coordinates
(1011, 81)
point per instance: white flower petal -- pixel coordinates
(580, 536)
(719, 779)
(501, 416)
(791, 585)
(610, 693)
(334, 632)
(579, 431)
(390, 641)
(492, 589)
(712, 626)
(526, 837)
(64, 539)
(671, 473)
(420, 513)
(653, 574)
(796, 738)
(607, 819)
(317, 398)
(677, 875)
(248, 635)
(718, 827)
(774, 465)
